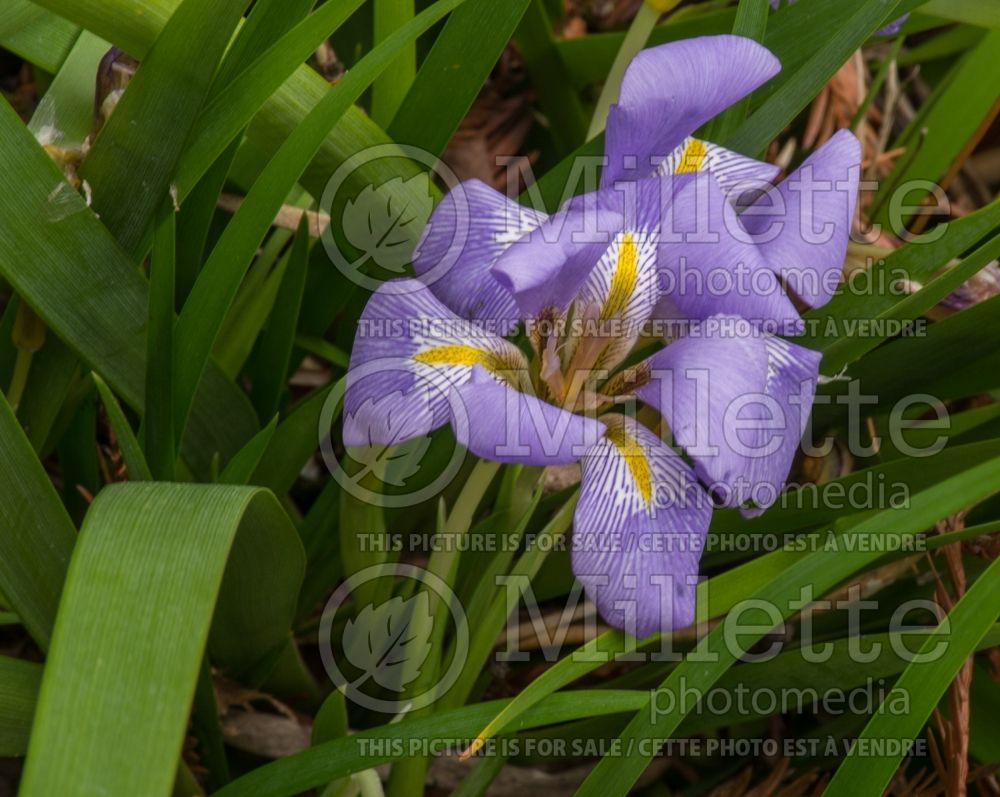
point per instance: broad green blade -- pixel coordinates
(66, 265)
(213, 293)
(38, 36)
(19, 681)
(157, 565)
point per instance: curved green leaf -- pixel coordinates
(155, 567)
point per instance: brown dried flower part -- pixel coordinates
(489, 144)
(113, 76)
(833, 465)
(983, 285)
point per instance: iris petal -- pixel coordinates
(670, 91)
(638, 530)
(506, 425)
(410, 352)
(468, 230)
(737, 404)
(804, 237)
(736, 174)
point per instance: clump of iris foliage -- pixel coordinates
(175, 330)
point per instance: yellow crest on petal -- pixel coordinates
(693, 158)
(635, 458)
(460, 355)
(623, 280)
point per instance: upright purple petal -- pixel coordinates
(639, 530)
(670, 91)
(546, 268)
(709, 265)
(410, 352)
(805, 222)
(468, 230)
(506, 425)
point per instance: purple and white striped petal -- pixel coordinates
(639, 530)
(792, 374)
(802, 226)
(737, 403)
(468, 230)
(506, 425)
(701, 384)
(410, 352)
(620, 295)
(736, 174)
(670, 91)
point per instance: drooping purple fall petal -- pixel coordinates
(410, 352)
(737, 404)
(639, 530)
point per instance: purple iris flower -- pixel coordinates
(680, 230)
(889, 30)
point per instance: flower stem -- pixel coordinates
(635, 39)
(460, 518)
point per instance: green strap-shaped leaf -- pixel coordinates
(213, 293)
(231, 105)
(19, 682)
(454, 71)
(133, 159)
(800, 87)
(134, 24)
(36, 534)
(72, 272)
(945, 127)
(40, 37)
(392, 85)
(154, 566)
(274, 354)
(751, 22)
(923, 683)
(135, 460)
(326, 762)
